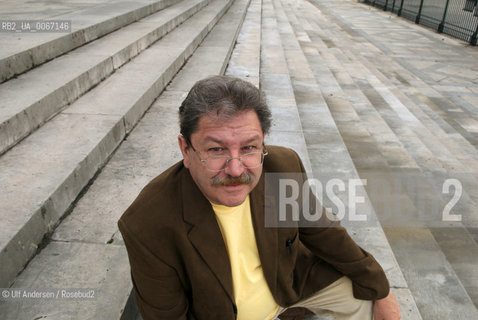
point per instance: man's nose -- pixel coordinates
(234, 167)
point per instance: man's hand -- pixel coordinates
(386, 308)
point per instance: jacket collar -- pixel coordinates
(206, 236)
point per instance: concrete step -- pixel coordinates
(76, 72)
(428, 272)
(245, 60)
(86, 249)
(286, 129)
(367, 126)
(50, 168)
(23, 51)
(329, 155)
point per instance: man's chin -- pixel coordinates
(234, 195)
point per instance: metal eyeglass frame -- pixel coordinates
(228, 159)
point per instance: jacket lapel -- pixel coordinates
(205, 234)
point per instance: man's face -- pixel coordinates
(233, 137)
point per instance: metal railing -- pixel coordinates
(458, 18)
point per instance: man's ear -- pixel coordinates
(183, 145)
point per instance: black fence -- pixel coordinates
(458, 18)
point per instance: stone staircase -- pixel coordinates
(88, 118)
(62, 233)
(304, 122)
(392, 130)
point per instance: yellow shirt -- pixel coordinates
(254, 300)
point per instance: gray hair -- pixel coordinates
(225, 97)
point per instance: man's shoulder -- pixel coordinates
(158, 200)
(165, 184)
(282, 159)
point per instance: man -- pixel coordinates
(196, 236)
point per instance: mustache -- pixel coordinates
(244, 178)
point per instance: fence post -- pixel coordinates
(417, 18)
(386, 5)
(399, 13)
(441, 26)
(473, 39)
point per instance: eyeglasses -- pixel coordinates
(248, 160)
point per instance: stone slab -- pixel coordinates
(87, 66)
(87, 24)
(245, 58)
(436, 288)
(218, 46)
(276, 84)
(69, 264)
(461, 251)
(408, 306)
(50, 183)
(21, 113)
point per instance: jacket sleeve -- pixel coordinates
(337, 248)
(158, 291)
(328, 240)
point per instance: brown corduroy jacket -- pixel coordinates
(179, 263)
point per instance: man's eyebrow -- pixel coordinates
(212, 139)
(253, 139)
